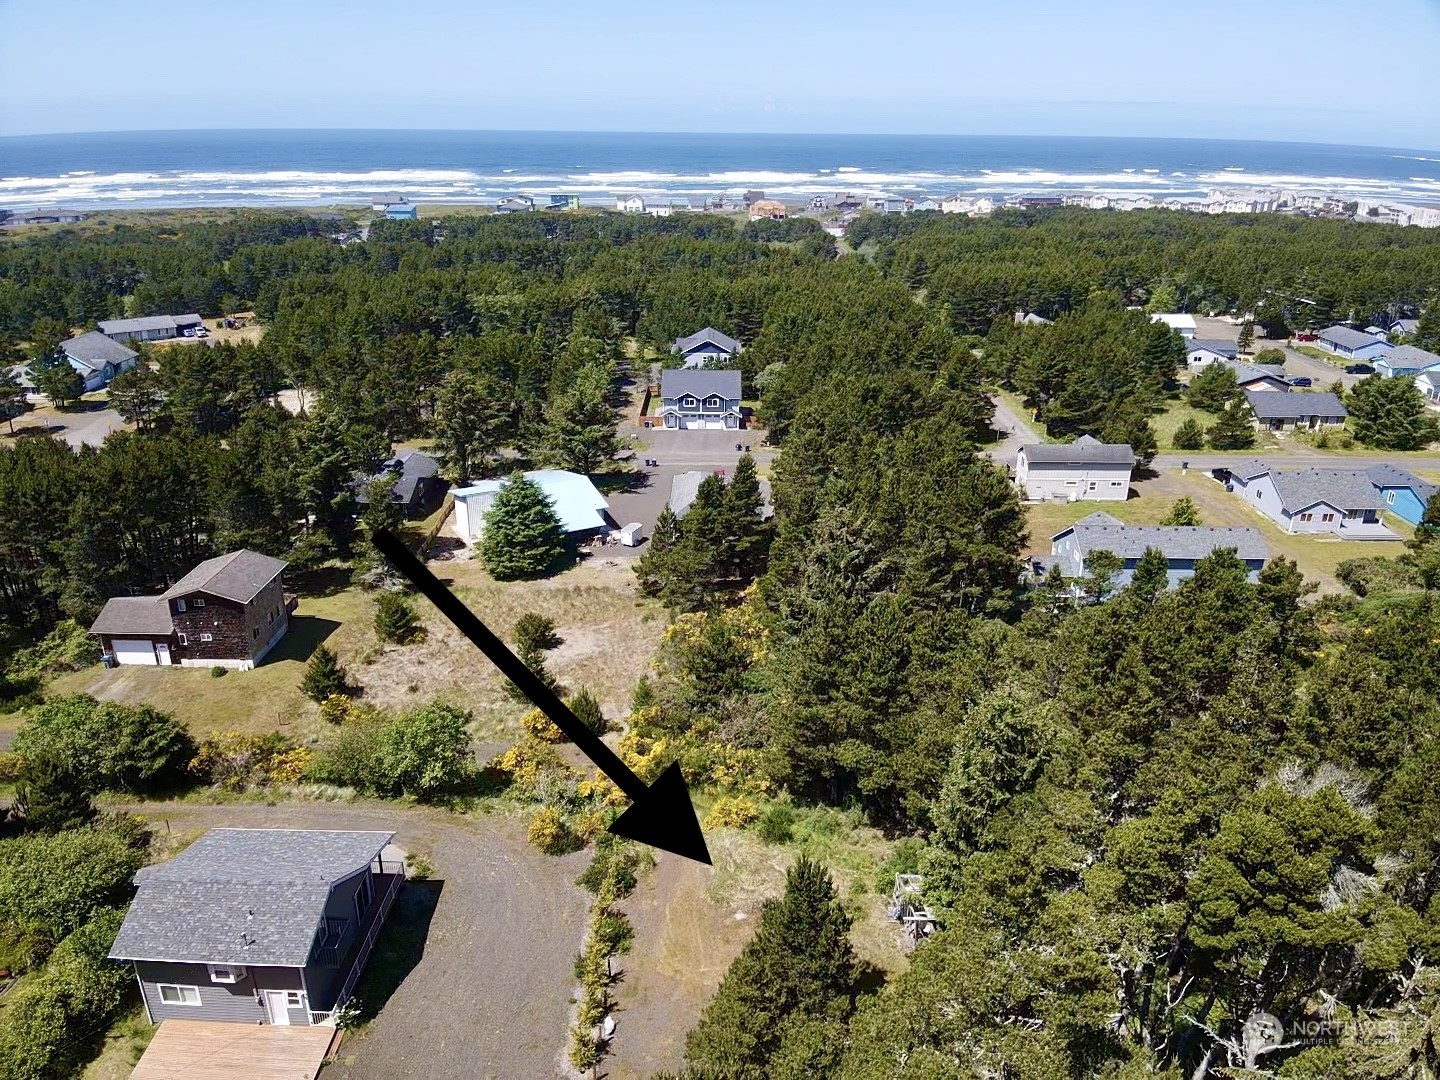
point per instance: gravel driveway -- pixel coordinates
(490, 997)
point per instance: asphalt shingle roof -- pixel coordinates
(237, 576)
(149, 322)
(700, 382)
(1269, 405)
(1216, 345)
(1409, 356)
(1083, 451)
(710, 336)
(1175, 541)
(1346, 337)
(1388, 476)
(1344, 489)
(410, 468)
(95, 350)
(242, 896)
(147, 616)
(1248, 373)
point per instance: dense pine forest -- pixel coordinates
(1142, 823)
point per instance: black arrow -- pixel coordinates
(660, 815)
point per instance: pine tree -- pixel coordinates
(472, 417)
(578, 430)
(395, 618)
(137, 395)
(57, 380)
(1427, 531)
(798, 967)
(1213, 388)
(1189, 435)
(1151, 576)
(52, 797)
(12, 397)
(745, 505)
(653, 567)
(523, 536)
(1136, 431)
(1246, 337)
(1182, 512)
(534, 635)
(1101, 569)
(1233, 429)
(1390, 414)
(324, 676)
(587, 710)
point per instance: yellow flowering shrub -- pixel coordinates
(339, 709)
(591, 823)
(730, 812)
(549, 833)
(541, 728)
(235, 761)
(602, 788)
(525, 763)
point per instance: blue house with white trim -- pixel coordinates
(1354, 344)
(1403, 494)
(1405, 360)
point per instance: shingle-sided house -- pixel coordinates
(706, 347)
(227, 612)
(1200, 353)
(1182, 545)
(1404, 495)
(1181, 323)
(691, 399)
(150, 327)
(97, 358)
(581, 508)
(1309, 412)
(1405, 360)
(259, 926)
(1083, 469)
(418, 485)
(1355, 344)
(1340, 501)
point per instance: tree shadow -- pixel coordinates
(321, 581)
(869, 978)
(621, 482)
(400, 946)
(305, 635)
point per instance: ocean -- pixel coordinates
(277, 168)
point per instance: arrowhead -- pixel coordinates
(663, 817)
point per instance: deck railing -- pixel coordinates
(327, 1019)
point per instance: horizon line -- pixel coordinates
(704, 134)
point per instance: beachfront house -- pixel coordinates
(151, 327)
(1083, 469)
(259, 926)
(706, 348)
(1340, 501)
(700, 399)
(97, 359)
(1405, 360)
(514, 204)
(582, 510)
(1182, 545)
(227, 612)
(1200, 353)
(1296, 412)
(1351, 344)
(382, 202)
(1181, 323)
(630, 204)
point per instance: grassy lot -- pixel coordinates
(1176, 413)
(610, 636)
(1316, 556)
(1324, 357)
(124, 1043)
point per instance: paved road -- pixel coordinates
(489, 996)
(1297, 363)
(1015, 431)
(1299, 456)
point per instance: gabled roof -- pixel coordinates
(1268, 405)
(142, 616)
(1220, 346)
(1388, 476)
(1409, 356)
(409, 469)
(1248, 373)
(577, 502)
(1344, 489)
(1029, 318)
(1405, 326)
(1350, 339)
(708, 336)
(1176, 542)
(1083, 451)
(237, 576)
(1250, 468)
(242, 896)
(149, 322)
(94, 350)
(700, 383)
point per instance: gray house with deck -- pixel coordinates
(259, 926)
(1182, 545)
(1341, 501)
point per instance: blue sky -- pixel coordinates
(1308, 70)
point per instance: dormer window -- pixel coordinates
(179, 605)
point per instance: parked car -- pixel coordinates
(200, 331)
(1301, 380)
(1359, 369)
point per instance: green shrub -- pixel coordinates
(615, 865)
(395, 619)
(51, 796)
(587, 711)
(612, 930)
(111, 746)
(777, 824)
(218, 672)
(51, 885)
(68, 647)
(536, 632)
(425, 753)
(324, 677)
(905, 859)
(235, 761)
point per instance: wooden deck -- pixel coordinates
(211, 1050)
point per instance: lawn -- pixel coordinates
(1316, 556)
(1176, 413)
(609, 633)
(1324, 357)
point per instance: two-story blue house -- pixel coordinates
(259, 926)
(706, 348)
(700, 398)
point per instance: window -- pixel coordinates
(179, 995)
(183, 639)
(225, 973)
(255, 634)
(179, 605)
(292, 999)
(207, 637)
(1327, 517)
(1307, 517)
(1390, 498)
(1117, 483)
(197, 602)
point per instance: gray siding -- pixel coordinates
(1043, 480)
(238, 1002)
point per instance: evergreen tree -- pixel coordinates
(745, 506)
(51, 796)
(534, 635)
(137, 395)
(58, 380)
(1189, 435)
(1246, 337)
(472, 418)
(1101, 570)
(523, 537)
(1138, 433)
(578, 429)
(1390, 414)
(324, 675)
(1213, 388)
(798, 968)
(12, 397)
(587, 710)
(653, 568)
(1233, 429)
(395, 618)
(1427, 530)
(1151, 576)
(1182, 512)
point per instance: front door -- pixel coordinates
(162, 652)
(276, 1007)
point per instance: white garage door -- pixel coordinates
(133, 652)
